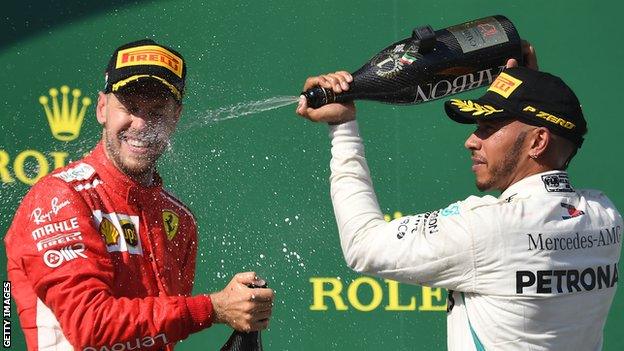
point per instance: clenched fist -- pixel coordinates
(241, 307)
(334, 113)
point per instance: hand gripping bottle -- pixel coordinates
(431, 64)
(242, 341)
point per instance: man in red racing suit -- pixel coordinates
(100, 256)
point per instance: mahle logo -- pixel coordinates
(64, 111)
(65, 121)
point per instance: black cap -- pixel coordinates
(534, 97)
(145, 59)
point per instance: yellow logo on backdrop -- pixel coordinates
(65, 120)
(328, 293)
(65, 115)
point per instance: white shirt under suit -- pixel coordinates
(535, 269)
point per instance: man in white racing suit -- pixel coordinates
(535, 268)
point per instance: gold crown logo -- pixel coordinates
(65, 120)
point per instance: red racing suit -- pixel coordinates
(100, 262)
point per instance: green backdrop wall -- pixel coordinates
(258, 184)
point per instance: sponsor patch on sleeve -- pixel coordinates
(570, 211)
(58, 239)
(82, 171)
(55, 258)
(431, 222)
(119, 231)
(423, 223)
(451, 210)
(557, 183)
(42, 215)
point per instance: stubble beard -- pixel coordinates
(505, 169)
(140, 169)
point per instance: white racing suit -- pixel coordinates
(535, 269)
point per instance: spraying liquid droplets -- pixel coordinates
(242, 109)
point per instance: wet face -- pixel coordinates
(498, 152)
(137, 127)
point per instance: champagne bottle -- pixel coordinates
(243, 341)
(431, 64)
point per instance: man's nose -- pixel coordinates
(139, 122)
(473, 142)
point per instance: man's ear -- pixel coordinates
(540, 142)
(178, 113)
(100, 109)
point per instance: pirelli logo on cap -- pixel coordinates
(504, 85)
(150, 55)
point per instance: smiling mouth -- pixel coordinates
(137, 145)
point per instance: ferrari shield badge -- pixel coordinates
(171, 223)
